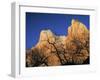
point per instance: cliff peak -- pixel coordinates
(60, 50)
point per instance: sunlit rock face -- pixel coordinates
(78, 31)
(77, 41)
(53, 50)
(47, 34)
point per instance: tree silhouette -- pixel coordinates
(58, 49)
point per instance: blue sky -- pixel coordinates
(57, 23)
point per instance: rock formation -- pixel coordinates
(53, 50)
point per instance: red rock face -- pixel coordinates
(78, 41)
(52, 50)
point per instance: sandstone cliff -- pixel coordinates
(53, 50)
